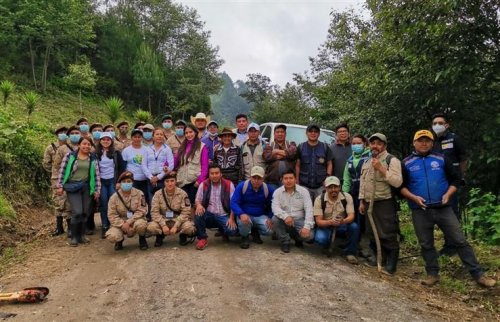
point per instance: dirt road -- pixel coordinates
(223, 282)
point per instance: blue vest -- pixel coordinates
(426, 177)
(355, 173)
(313, 164)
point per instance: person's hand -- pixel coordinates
(200, 210)
(445, 199)
(231, 224)
(377, 165)
(118, 186)
(304, 233)
(362, 207)
(245, 219)
(269, 224)
(60, 191)
(96, 196)
(196, 184)
(125, 227)
(420, 201)
(289, 221)
(165, 230)
(154, 181)
(336, 221)
(173, 230)
(166, 170)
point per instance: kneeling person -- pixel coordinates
(127, 210)
(334, 214)
(251, 203)
(171, 213)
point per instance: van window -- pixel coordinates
(266, 133)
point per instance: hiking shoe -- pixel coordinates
(159, 240)
(143, 243)
(430, 280)
(285, 248)
(244, 243)
(119, 245)
(486, 281)
(183, 239)
(201, 244)
(256, 237)
(299, 244)
(351, 259)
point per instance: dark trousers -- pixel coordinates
(143, 185)
(81, 204)
(445, 219)
(387, 223)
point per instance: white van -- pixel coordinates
(294, 132)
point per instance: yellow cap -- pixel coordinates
(423, 133)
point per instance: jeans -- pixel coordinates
(445, 219)
(351, 231)
(286, 233)
(143, 185)
(259, 223)
(210, 220)
(107, 190)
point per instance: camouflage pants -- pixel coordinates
(61, 203)
(115, 234)
(186, 227)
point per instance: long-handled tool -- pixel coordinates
(374, 227)
(27, 295)
(332, 241)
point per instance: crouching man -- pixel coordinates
(171, 213)
(293, 212)
(127, 210)
(334, 214)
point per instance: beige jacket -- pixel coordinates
(179, 205)
(135, 202)
(383, 184)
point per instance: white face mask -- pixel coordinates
(438, 129)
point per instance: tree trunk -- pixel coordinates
(81, 108)
(32, 56)
(149, 102)
(45, 68)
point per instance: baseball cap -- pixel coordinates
(423, 133)
(332, 180)
(166, 117)
(213, 122)
(379, 136)
(257, 171)
(253, 126)
(106, 135)
(149, 127)
(311, 127)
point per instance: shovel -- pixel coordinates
(27, 295)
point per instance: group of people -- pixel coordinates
(183, 178)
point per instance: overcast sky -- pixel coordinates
(274, 38)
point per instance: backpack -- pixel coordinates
(323, 201)
(245, 188)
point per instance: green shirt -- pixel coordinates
(82, 171)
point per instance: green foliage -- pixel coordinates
(142, 115)
(483, 214)
(6, 210)
(147, 71)
(6, 87)
(228, 103)
(81, 76)
(30, 99)
(114, 107)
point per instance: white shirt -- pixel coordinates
(155, 159)
(297, 204)
(134, 158)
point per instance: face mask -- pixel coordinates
(179, 132)
(438, 129)
(357, 148)
(167, 125)
(74, 138)
(84, 127)
(126, 186)
(112, 134)
(213, 135)
(62, 136)
(96, 135)
(147, 135)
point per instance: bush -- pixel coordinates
(483, 217)
(6, 210)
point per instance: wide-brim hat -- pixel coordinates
(200, 116)
(227, 131)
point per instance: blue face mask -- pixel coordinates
(179, 132)
(113, 134)
(96, 135)
(84, 127)
(167, 125)
(74, 138)
(358, 148)
(147, 135)
(62, 136)
(126, 186)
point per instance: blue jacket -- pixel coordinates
(251, 203)
(429, 177)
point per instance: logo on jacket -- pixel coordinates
(434, 165)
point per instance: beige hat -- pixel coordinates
(332, 180)
(148, 127)
(257, 171)
(200, 116)
(379, 136)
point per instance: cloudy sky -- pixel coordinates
(274, 38)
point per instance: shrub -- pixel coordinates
(6, 87)
(114, 106)
(483, 217)
(142, 115)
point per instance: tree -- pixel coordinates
(147, 71)
(81, 76)
(228, 103)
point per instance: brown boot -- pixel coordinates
(486, 281)
(430, 280)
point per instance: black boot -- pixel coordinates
(81, 234)
(68, 225)
(244, 242)
(90, 225)
(158, 241)
(75, 229)
(392, 256)
(143, 243)
(119, 245)
(59, 227)
(103, 232)
(183, 239)
(256, 236)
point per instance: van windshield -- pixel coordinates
(298, 135)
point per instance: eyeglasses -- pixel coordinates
(438, 123)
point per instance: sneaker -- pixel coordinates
(119, 245)
(486, 281)
(351, 259)
(285, 248)
(430, 280)
(244, 243)
(201, 244)
(256, 237)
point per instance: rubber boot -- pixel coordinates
(392, 256)
(244, 242)
(119, 245)
(256, 236)
(75, 229)
(90, 225)
(81, 234)
(143, 243)
(159, 240)
(59, 226)
(68, 225)
(183, 239)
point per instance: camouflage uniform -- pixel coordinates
(118, 214)
(61, 202)
(176, 214)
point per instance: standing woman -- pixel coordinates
(111, 166)
(191, 163)
(79, 177)
(158, 156)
